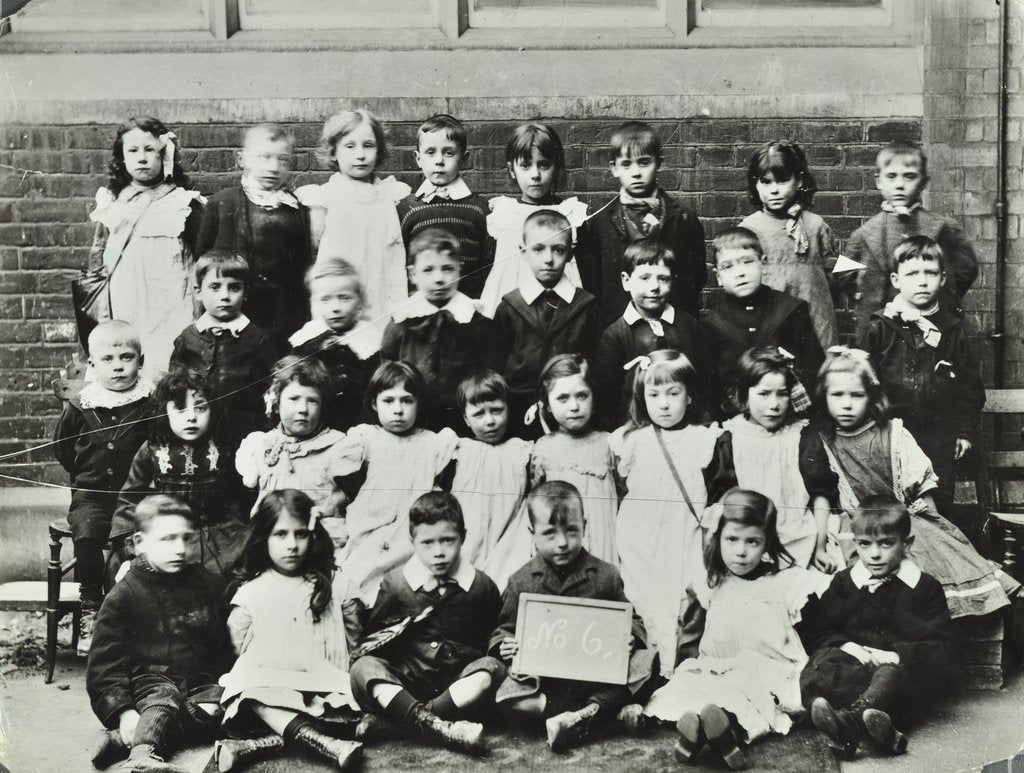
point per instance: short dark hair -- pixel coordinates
(390, 374)
(752, 366)
(541, 136)
(635, 138)
(173, 388)
(481, 387)
(450, 125)
(160, 505)
(647, 252)
(226, 263)
(439, 240)
(785, 161)
(738, 238)
(434, 507)
(881, 515)
(274, 132)
(918, 246)
(904, 151)
(560, 498)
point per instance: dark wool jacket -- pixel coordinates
(229, 364)
(680, 230)
(938, 386)
(523, 345)
(349, 377)
(97, 445)
(873, 243)
(466, 219)
(156, 623)
(277, 245)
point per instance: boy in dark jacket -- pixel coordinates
(641, 210)
(879, 639)
(563, 568)
(920, 351)
(423, 659)
(160, 644)
(545, 316)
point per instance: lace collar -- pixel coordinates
(93, 395)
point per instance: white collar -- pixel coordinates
(909, 573)
(460, 306)
(632, 316)
(456, 189)
(93, 395)
(233, 326)
(363, 340)
(531, 289)
(417, 575)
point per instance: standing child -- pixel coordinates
(546, 315)
(880, 640)
(574, 452)
(923, 358)
(643, 209)
(855, 451)
(649, 323)
(490, 480)
(339, 338)
(901, 176)
(95, 439)
(661, 456)
(286, 628)
(444, 200)
(261, 220)
(535, 160)
(160, 645)
(398, 461)
(301, 451)
(146, 225)
(750, 314)
(562, 567)
(353, 214)
(233, 354)
(745, 681)
(439, 330)
(437, 669)
(190, 455)
(798, 249)
(760, 450)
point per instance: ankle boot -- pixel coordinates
(372, 728)
(144, 759)
(842, 727)
(883, 736)
(344, 753)
(721, 736)
(232, 754)
(570, 727)
(109, 749)
(460, 736)
(691, 737)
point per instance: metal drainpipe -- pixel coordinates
(998, 336)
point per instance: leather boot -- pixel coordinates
(883, 736)
(691, 737)
(842, 727)
(372, 728)
(569, 727)
(721, 736)
(345, 753)
(109, 749)
(144, 759)
(231, 754)
(459, 736)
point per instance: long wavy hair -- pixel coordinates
(118, 177)
(174, 388)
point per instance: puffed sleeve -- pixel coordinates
(248, 459)
(312, 196)
(916, 474)
(720, 474)
(622, 445)
(447, 443)
(349, 454)
(239, 626)
(800, 586)
(819, 479)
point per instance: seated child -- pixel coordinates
(438, 329)
(96, 438)
(920, 351)
(232, 353)
(880, 641)
(436, 669)
(563, 568)
(261, 220)
(649, 323)
(159, 646)
(901, 176)
(287, 630)
(339, 338)
(545, 315)
(643, 209)
(444, 199)
(750, 314)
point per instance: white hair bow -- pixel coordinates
(169, 138)
(643, 361)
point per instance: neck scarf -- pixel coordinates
(899, 210)
(795, 229)
(267, 199)
(898, 307)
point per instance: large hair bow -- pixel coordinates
(169, 139)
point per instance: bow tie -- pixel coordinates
(898, 209)
(795, 229)
(898, 307)
(435, 192)
(219, 330)
(875, 583)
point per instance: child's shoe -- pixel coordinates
(459, 736)
(691, 737)
(346, 754)
(373, 728)
(231, 754)
(144, 759)
(721, 737)
(569, 727)
(883, 736)
(842, 727)
(632, 718)
(88, 622)
(109, 749)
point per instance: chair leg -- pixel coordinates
(76, 627)
(1010, 548)
(53, 577)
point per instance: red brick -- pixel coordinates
(907, 131)
(860, 155)
(719, 205)
(10, 260)
(55, 258)
(14, 282)
(99, 137)
(715, 156)
(210, 136)
(829, 131)
(49, 358)
(21, 332)
(16, 235)
(216, 161)
(679, 156)
(64, 332)
(49, 307)
(823, 155)
(38, 161)
(31, 138)
(51, 210)
(11, 307)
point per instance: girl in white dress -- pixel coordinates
(661, 455)
(353, 214)
(285, 625)
(745, 682)
(760, 450)
(147, 222)
(574, 452)
(535, 160)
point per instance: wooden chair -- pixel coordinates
(994, 469)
